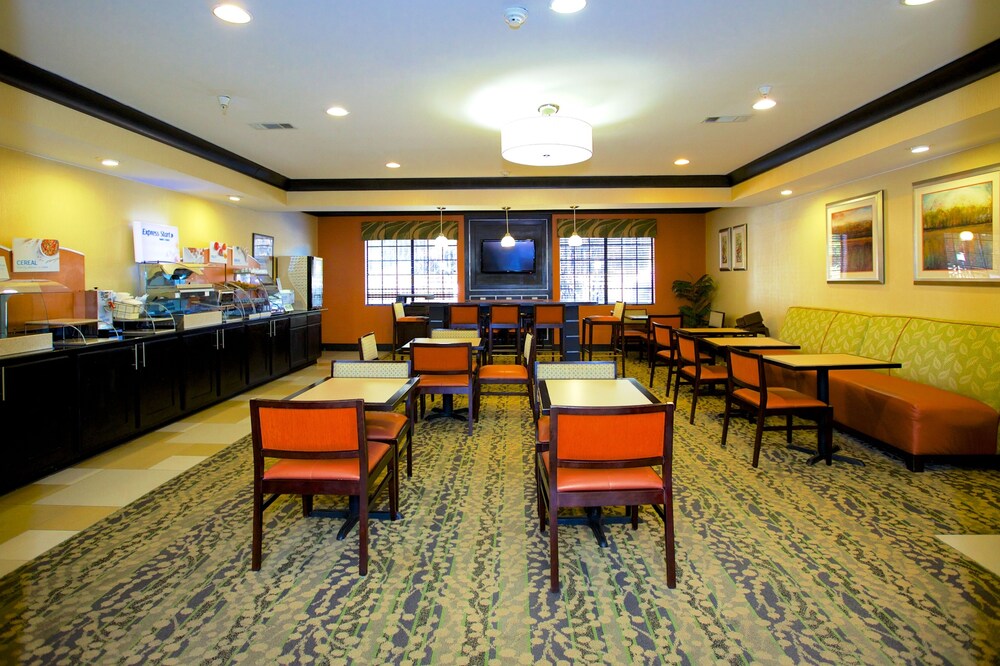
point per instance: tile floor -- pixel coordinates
(43, 514)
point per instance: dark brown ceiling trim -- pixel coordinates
(37, 81)
(498, 212)
(509, 183)
(979, 64)
(970, 68)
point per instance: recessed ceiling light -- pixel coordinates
(337, 111)
(392, 165)
(231, 13)
(683, 161)
(109, 162)
(567, 6)
(786, 193)
(919, 149)
(914, 3)
(235, 198)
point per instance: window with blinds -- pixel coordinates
(606, 270)
(402, 267)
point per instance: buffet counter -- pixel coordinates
(62, 405)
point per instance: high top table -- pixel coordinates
(822, 364)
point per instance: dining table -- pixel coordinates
(622, 392)
(822, 364)
(709, 332)
(747, 342)
(380, 394)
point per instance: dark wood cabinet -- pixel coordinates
(268, 353)
(298, 341)
(107, 385)
(281, 360)
(159, 382)
(232, 361)
(37, 418)
(314, 337)
(201, 368)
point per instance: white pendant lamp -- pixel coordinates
(547, 139)
(575, 240)
(441, 242)
(507, 240)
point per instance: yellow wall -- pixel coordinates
(787, 254)
(92, 212)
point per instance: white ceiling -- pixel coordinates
(430, 83)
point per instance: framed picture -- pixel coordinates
(955, 227)
(854, 229)
(263, 246)
(739, 251)
(725, 262)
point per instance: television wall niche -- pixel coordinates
(480, 284)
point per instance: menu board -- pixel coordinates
(36, 255)
(155, 243)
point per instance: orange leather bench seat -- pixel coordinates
(916, 418)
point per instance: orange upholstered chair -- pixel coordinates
(662, 350)
(509, 373)
(445, 369)
(406, 327)
(388, 427)
(693, 370)
(606, 456)
(747, 390)
(322, 449)
(616, 320)
(463, 315)
(550, 317)
(503, 317)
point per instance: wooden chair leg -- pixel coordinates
(788, 428)
(694, 401)
(363, 534)
(668, 538)
(553, 545)
(725, 422)
(757, 437)
(258, 530)
(307, 505)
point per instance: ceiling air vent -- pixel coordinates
(726, 119)
(272, 126)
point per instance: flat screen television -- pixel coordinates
(494, 258)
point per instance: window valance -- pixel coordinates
(408, 229)
(631, 227)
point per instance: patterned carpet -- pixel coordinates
(785, 564)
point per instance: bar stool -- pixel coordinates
(406, 327)
(506, 317)
(550, 317)
(636, 332)
(463, 315)
(616, 320)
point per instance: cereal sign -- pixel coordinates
(36, 255)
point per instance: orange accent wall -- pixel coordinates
(679, 253)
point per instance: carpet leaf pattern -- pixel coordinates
(783, 564)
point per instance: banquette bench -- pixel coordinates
(944, 400)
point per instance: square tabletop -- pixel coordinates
(379, 393)
(828, 362)
(704, 332)
(744, 342)
(594, 393)
(477, 343)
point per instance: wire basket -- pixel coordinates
(121, 310)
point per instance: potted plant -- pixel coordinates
(699, 293)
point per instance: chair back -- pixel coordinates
(612, 437)
(398, 311)
(463, 315)
(529, 352)
(634, 312)
(716, 319)
(307, 429)
(687, 348)
(745, 370)
(505, 315)
(550, 315)
(453, 358)
(663, 335)
(376, 369)
(455, 333)
(368, 347)
(619, 310)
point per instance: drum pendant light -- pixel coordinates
(547, 139)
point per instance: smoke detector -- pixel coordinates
(515, 17)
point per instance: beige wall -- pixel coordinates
(787, 254)
(92, 212)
